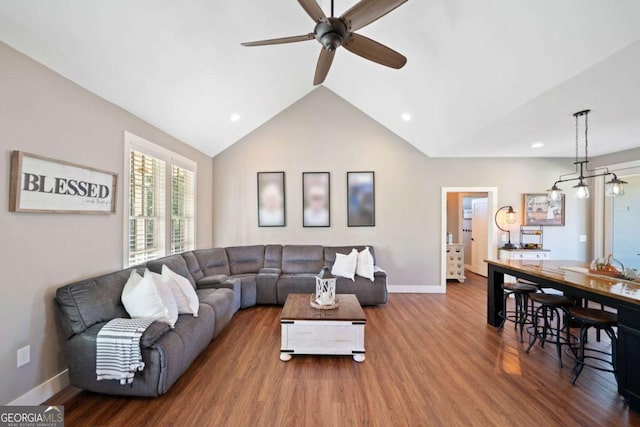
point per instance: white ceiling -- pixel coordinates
(483, 78)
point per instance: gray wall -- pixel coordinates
(322, 132)
(43, 113)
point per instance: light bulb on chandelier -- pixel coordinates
(582, 190)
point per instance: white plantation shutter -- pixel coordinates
(182, 209)
(161, 202)
(146, 207)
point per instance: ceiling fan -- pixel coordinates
(332, 32)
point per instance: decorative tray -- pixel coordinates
(315, 304)
(614, 274)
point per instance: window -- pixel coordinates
(182, 209)
(160, 200)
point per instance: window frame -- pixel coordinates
(170, 159)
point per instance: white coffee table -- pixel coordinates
(306, 330)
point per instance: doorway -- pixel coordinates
(466, 214)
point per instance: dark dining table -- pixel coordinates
(573, 278)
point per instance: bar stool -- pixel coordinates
(593, 318)
(550, 307)
(528, 282)
(520, 315)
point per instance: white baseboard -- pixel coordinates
(44, 391)
(415, 289)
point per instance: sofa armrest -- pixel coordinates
(212, 281)
(275, 271)
(153, 333)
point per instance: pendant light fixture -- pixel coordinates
(614, 187)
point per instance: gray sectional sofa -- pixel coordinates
(225, 279)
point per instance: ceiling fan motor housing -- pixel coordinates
(331, 33)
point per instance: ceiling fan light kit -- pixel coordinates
(333, 32)
(613, 188)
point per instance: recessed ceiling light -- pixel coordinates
(537, 145)
(406, 117)
(235, 117)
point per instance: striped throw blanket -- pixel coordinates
(118, 353)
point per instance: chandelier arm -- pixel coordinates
(583, 177)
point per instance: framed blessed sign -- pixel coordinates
(41, 184)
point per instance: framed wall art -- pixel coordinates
(316, 199)
(42, 184)
(271, 199)
(539, 210)
(361, 201)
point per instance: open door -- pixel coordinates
(479, 235)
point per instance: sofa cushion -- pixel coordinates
(248, 285)
(193, 266)
(176, 263)
(295, 284)
(216, 279)
(92, 301)
(213, 261)
(266, 282)
(302, 259)
(273, 256)
(221, 301)
(245, 259)
(331, 251)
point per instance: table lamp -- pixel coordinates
(510, 218)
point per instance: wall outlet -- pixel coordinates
(583, 238)
(504, 238)
(24, 356)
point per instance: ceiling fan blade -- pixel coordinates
(366, 11)
(374, 51)
(281, 40)
(324, 63)
(313, 10)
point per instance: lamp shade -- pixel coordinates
(554, 193)
(509, 218)
(614, 188)
(582, 190)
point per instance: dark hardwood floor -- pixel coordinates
(431, 361)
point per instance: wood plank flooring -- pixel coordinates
(431, 361)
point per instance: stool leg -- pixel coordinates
(558, 334)
(524, 314)
(577, 369)
(546, 325)
(534, 336)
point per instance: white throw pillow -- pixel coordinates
(365, 264)
(184, 294)
(345, 265)
(149, 298)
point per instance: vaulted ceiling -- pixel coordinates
(483, 78)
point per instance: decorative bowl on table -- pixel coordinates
(608, 266)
